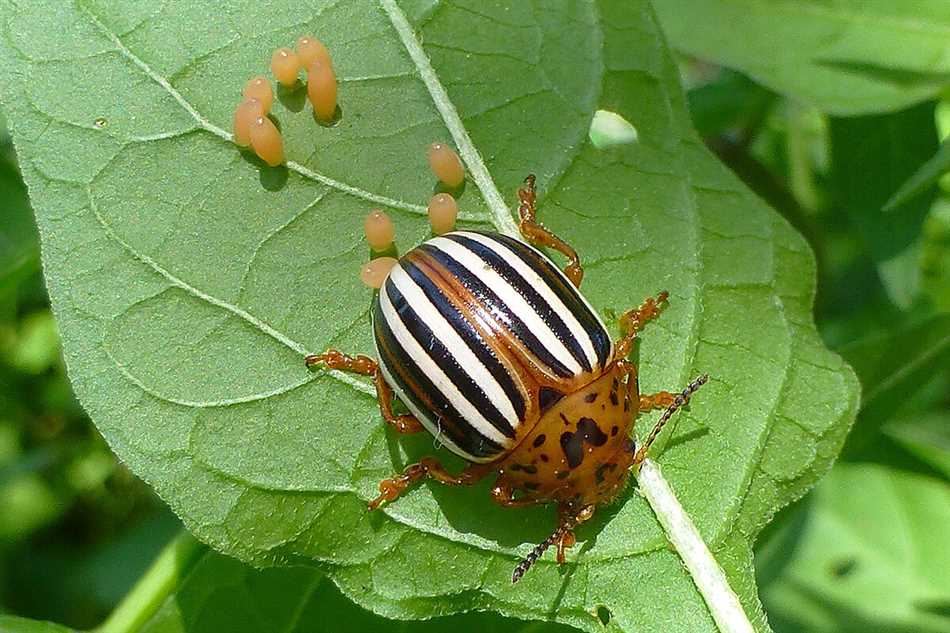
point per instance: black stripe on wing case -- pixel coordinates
(446, 361)
(498, 309)
(565, 291)
(469, 334)
(520, 285)
(448, 420)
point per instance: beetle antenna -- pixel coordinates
(681, 399)
(535, 554)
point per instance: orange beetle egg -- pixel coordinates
(310, 50)
(321, 89)
(244, 114)
(266, 141)
(446, 164)
(379, 230)
(374, 272)
(443, 209)
(260, 88)
(285, 65)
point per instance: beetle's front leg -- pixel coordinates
(427, 468)
(366, 366)
(632, 321)
(532, 231)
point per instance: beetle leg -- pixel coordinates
(533, 231)
(366, 366)
(632, 321)
(679, 400)
(404, 423)
(503, 494)
(563, 537)
(427, 468)
(658, 400)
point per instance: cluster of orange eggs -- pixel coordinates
(442, 210)
(252, 126)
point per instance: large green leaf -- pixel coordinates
(188, 281)
(865, 554)
(901, 142)
(845, 57)
(216, 594)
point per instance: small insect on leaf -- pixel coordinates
(321, 90)
(311, 50)
(260, 88)
(266, 141)
(446, 164)
(246, 113)
(285, 64)
(379, 230)
(443, 211)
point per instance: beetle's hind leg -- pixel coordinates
(535, 232)
(366, 366)
(427, 468)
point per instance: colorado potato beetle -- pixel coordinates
(495, 352)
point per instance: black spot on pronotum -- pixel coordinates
(591, 432)
(613, 398)
(544, 458)
(539, 440)
(573, 443)
(613, 430)
(547, 397)
(590, 397)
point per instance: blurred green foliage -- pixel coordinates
(866, 551)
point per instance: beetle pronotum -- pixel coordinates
(495, 352)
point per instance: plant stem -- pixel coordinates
(151, 590)
(705, 570)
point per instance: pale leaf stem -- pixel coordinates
(708, 576)
(151, 590)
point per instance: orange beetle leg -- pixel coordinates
(532, 231)
(366, 366)
(658, 400)
(632, 321)
(428, 468)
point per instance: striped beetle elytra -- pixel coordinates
(494, 351)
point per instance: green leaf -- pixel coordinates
(923, 179)
(221, 594)
(217, 594)
(12, 624)
(899, 142)
(893, 367)
(188, 281)
(865, 554)
(847, 57)
(927, 436)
